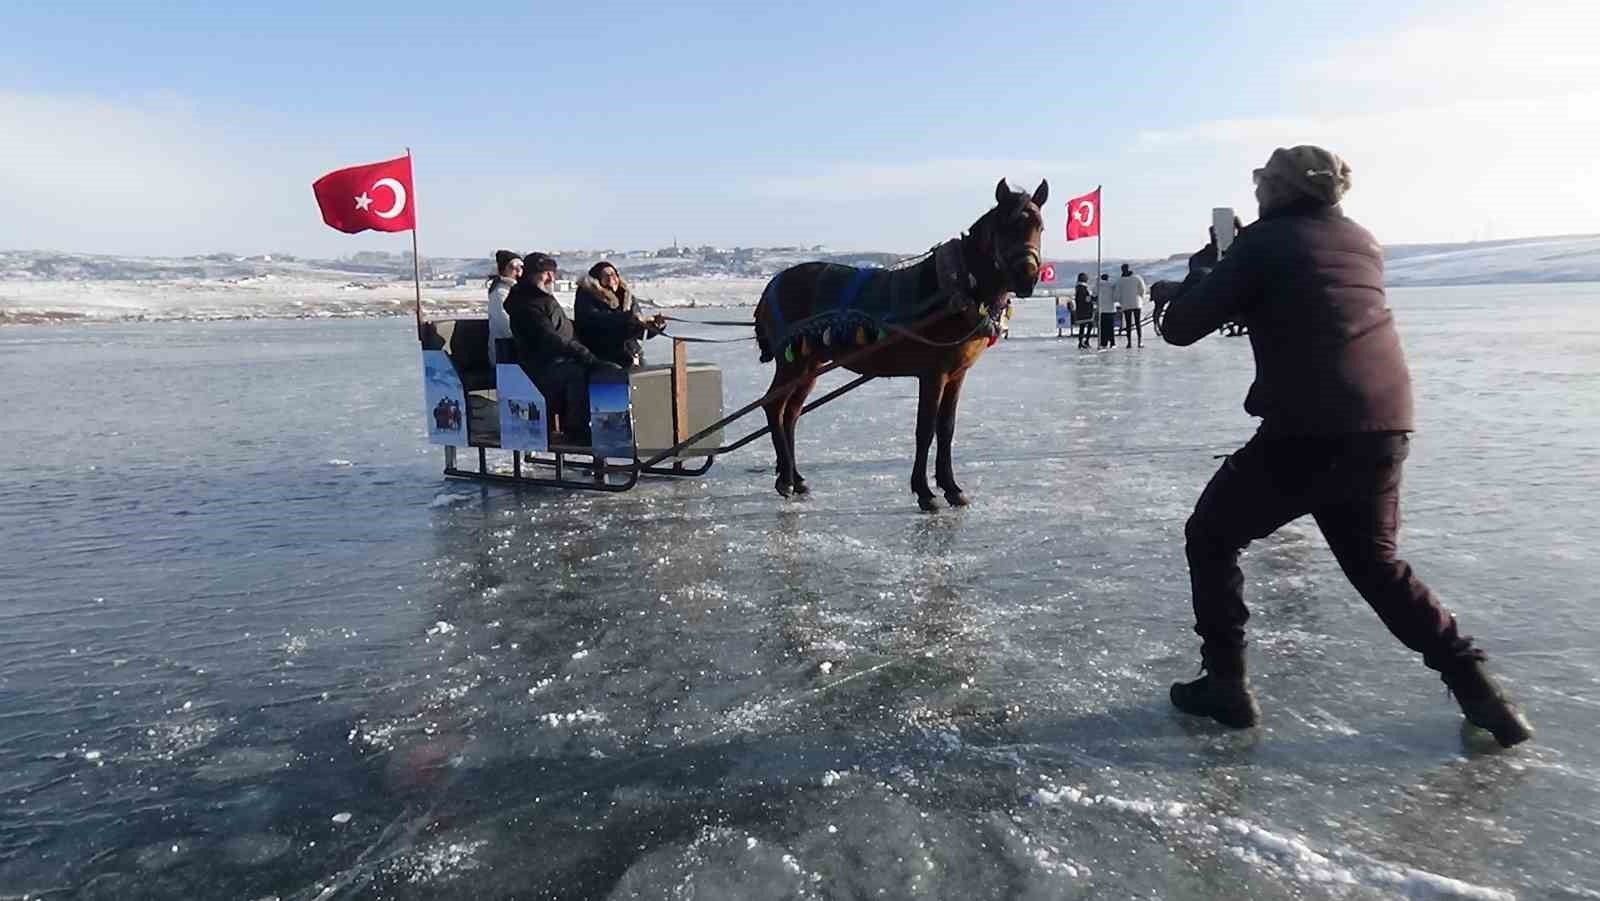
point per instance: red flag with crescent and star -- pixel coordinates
(1047, 273)
(377, 196)
(1083, 216)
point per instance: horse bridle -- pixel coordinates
(1025, 255)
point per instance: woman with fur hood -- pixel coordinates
(607, 321)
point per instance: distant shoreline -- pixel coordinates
(397, 309)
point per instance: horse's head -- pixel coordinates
(1008, 236)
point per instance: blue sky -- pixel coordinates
(188, 128)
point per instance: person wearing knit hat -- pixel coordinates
(1333, 393)
(507, 269)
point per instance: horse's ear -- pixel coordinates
(1002, 192)
(1042, 193)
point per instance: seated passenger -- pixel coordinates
(608, 322)
(549, 351)
(508, 268)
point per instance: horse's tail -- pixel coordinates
(768, 302)
(761, 342)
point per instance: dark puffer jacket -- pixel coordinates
(1308, 283)
(607, 322)
(544, 334)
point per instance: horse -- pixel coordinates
(1161, 294)
(930, 321)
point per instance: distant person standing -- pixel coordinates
(1083, 309)
(1334, 396)
(1106, 301)
(507, 269)
(1131, 291)
(1063, 315)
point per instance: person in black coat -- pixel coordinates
(608, 321)
(1334, 396)
(1083, 309)
(549, 351)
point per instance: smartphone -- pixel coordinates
(1222, 222)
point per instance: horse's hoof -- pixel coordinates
(784, 488)
(956, 498)
(927, 503)
(800, 486)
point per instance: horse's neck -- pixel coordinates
(991, 284)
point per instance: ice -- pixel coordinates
(1293, 854)
(993, 721)
(256, 849)
(438, 862)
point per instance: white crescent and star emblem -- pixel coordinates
(399, 198)
(1084, 213)
(364, 200)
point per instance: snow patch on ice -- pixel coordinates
(1290, 854)
(439, 861)
(575, 717)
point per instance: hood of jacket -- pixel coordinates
(620, 299)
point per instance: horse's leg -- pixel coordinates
(791, 417)
(780, 444)
(930, 389)
(944, 468)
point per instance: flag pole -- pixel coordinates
(1100, 211)
(416, 257)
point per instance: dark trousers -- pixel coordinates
(1108, 329)
(1133, 320)
(1351, 485)
(1085, 326)
(565, 386)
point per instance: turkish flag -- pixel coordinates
(1047, 273)
(376, 196)
(1083, 216)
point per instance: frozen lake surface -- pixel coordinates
(254, 646)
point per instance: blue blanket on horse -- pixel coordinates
(817, 306)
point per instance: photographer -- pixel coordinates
(1334, 396)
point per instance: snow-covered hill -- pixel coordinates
(40, 286)
(1565, 258)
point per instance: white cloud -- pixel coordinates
(1522, 50)
(1476, 127)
